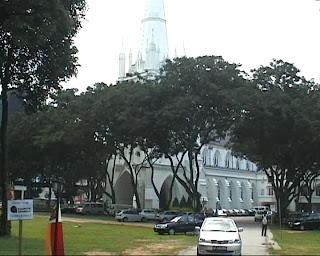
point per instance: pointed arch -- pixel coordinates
(222, 195)
(123, 189)
(217, 158)
(254, 194)
(165, 190)
(228, 162)
(205, 156)
(238, 163)
(246, 194)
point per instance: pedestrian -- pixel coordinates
(264, 224)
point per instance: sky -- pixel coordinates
(246, 32)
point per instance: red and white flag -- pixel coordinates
(55, 243)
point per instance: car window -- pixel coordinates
(219, 225)
(176, 219)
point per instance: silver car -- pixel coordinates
(129, 215)
(219, 236)
(150, 214)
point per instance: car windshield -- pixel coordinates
(219, 225)
(176, 219)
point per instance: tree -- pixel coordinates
(198, 109)
(275, 127)
(36, 53)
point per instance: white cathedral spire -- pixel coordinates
(122, 64)
(153, 44)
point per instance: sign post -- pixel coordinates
(20, 210)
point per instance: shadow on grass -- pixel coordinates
(30, 246)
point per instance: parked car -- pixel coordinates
(219, 236)
(310, 221)
(168, 215)
(231, 212)
(90, 208)
(243, 212)
(112, 209)
(180, 224)
(251, 212)
(149, 214)
(68, 209)
(129, 215)
(295, 217)
(236, 212)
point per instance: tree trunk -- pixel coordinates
(5, 229)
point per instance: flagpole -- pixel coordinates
(57, 220)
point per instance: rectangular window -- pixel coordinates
(270, 191)
(262, 192)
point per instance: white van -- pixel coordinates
(90, 208)
(260, 210)
(112, 209)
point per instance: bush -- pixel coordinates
(183, 202)
(175, 202)
(189, 202)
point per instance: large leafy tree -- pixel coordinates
(278, 126)
(198, 109)
(37, 52)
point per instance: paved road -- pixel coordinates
(252, 241)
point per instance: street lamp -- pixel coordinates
(58, 187)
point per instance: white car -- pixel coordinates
(129, 215)
(149, 214)
(219, 236)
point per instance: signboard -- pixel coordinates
(20, 209)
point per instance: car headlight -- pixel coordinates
(297, 223)
(203, 240)
(235, 241)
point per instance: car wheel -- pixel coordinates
(143, 219)
(302, 227)
(161, 233)
(171, 231)
(100, 213)
(125, 219)
(87, 213)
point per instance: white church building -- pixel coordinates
(234, 183)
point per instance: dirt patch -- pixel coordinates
(97, 253)
(152, 249)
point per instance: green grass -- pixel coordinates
(295, 242)
(94, 237)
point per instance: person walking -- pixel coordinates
(264, 224)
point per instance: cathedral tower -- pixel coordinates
(153, 44)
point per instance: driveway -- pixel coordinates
(252, 241)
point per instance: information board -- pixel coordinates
(20, 209)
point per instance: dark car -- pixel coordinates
(168, 215)
(180, 224)
(311, 221)
(69, 209)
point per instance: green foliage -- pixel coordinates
(276, 126)
(37, 45)
(175, 202)
(183, 202)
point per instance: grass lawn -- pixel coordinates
(95, 238)
(296, 242)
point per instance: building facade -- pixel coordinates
(225, 180)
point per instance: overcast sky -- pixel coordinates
(248, 32)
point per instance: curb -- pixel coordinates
(273, 243)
